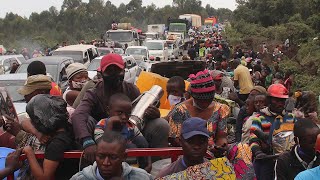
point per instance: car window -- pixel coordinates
(52, 70)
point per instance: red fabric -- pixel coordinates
(55, 90)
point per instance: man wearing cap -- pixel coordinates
(37, 84)
(38, 67)
(93, 107)
(77, 75)
(194, 141)
(271, 132)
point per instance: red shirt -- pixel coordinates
(55, 90)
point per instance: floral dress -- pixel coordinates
(216, 124)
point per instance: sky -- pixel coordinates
(26, 7)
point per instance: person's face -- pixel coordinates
(277, 104)
(203, 103)
(113, 70)
(260, 102)
(194, 148)
(80, 77)
(122, 109)
(308, 140)
(175, 89)
(109, 158)
(250, 106)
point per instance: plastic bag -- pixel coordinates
(48, 113)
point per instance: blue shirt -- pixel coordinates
(310, 174)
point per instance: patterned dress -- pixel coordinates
(217, 123)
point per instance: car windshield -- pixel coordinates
(154, 45)
(120, 36)
(170, 46)
(136, 51)
(103, 52)
(52, 70)
(93, 66)
(12, 87)
(75, 55)
(118, 51)
(177, 27)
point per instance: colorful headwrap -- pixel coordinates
(202, 85)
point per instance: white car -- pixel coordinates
(7, 61)
(158, 49)
(173, 50)
(131, 71)
(140, 53)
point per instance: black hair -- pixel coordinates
(301, 125)
(36, 67)
(118, 97)
(113, 136)
(178, 80)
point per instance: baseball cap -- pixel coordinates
(111, 59)
(74, 69)
(194, 126)
(35, 82)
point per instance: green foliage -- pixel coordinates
(78, 20)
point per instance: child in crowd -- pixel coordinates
(260, 102)
(119, 109)
(176, 90)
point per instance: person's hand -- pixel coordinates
(27, 150)
(12, 161)
(11, 126)
(90, 153)
(260, 155)
(233, 96)
(152, 113)
(114, 123)
(43, 139)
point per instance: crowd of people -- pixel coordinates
(238, 119)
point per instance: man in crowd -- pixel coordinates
(302, 156)
(92, 108)
(242, 80)
(110, 161)
(268, 127)
(38, 67)
(194, 141)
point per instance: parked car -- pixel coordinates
(13, 82)
(140, 53)
(104, 51)
(158, 49)
(131, 70)
(56, 68)
(79, 53)
(7, 61)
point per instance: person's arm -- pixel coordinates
(12, 164)
(99, 130)
(46, 172)
(71, 96)
(239, 124)
(236, 79)
(281, 170)
(29, 128)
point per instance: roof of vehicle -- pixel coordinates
(49, 60)
(137, 47)
(162, 41)
(100, 57)
(79, 47)
(13, 77)
(119, 30)
(10, 56)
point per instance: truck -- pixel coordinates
(195, 20)
(157, 28)
(123, 34)
(179, 28)
(210, 21)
